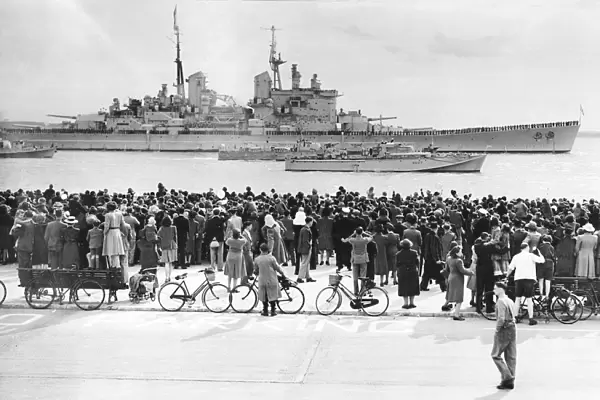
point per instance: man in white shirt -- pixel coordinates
(525, 277)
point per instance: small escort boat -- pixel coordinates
(21, 149)
(387, 157)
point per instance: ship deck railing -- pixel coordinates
(270, 132)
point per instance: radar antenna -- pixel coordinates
(275, 59)
(180, 85)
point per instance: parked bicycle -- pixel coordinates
(215, 296)
(2, 292)
(560, 304)
(50, 285)
(244, 298)
(372, 300)
(589, 297)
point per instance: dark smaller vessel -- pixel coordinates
(21, 149)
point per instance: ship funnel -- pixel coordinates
(295, 77)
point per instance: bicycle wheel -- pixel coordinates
(39, 294)
(89, 295)
(489, 316)
(216, 298)
(374, 301)
(172, 296)
(586, 299)
(292, 300)
(2, 292)
(566, 310)
(328, 300)
(243, 299)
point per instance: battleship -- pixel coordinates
(387, 157)
(204, 120)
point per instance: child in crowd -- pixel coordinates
(95, 238)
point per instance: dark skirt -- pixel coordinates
(408, 281)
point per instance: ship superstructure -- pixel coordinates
(203, 120)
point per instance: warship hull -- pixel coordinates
(456, 164)
(262, 155)
(556, 139)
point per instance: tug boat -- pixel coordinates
(21, 149)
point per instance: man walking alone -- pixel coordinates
(505, 338)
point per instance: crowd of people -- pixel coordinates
(408, 241)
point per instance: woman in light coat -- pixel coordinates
(234, 264)
(585, 249)
(456, 280)
(113, 242)
(269, 290)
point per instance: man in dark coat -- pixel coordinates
(517, 238)
(24, 231)
(183, 230)
(484, 271)
(342, 228)
(215, 228)
(433, 259)
(54, 237)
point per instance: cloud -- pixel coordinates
(487, 46)
(356, 32)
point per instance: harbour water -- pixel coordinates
(574, 175)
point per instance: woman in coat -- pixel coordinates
(6, 240)
(407, 271)
(267, 268)
(272, 233)
(148, 254)
(113, 243)
(586, 250)
(247, 250)
(70, 253)
(565, 255)
(168, 245)
(234, 265)
(325, 228)
(393, 240)
(381, 265)
(456, 280)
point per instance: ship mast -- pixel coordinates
(275, 60)
(180, 85)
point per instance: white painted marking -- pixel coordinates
(30, 319)
(353, 328)
(6, 329)
(373, 327)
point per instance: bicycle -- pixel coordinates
(561, 304)
(368, 297)
(244, 297)
(215, 296)
(590, 298)
(2, 292)
(50, 285)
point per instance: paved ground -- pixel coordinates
(66, 354)
(428, 303)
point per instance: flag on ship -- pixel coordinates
(175, 26)
(581, 110)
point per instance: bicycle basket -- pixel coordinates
(211, 276)
(334, 279)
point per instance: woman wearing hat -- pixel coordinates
(585, 249)
(70, 254)
(456, 280)
(272, 233)
(545, 270)
(407, 271)
(113, 242)
(234, 265)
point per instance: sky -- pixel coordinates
(438, 63)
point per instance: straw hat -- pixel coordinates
(588, 228)
(71, 220)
